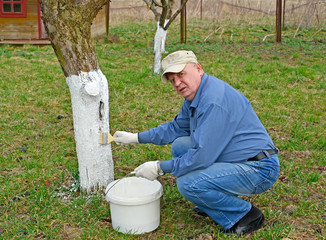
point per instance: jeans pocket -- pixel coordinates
(268, 182)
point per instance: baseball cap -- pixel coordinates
(176, 62)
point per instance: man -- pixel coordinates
(220, 148)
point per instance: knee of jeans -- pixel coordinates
(187, 187)
(183, 187)
(180, 146)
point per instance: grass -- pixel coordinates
(286, 83)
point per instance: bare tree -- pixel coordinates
(68, 24)
(164, 16)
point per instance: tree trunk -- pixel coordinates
(68, 25)
(90, 100)
(164, 20)
(159, 46)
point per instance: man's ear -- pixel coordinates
(199, 68)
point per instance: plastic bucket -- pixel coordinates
(135, 204)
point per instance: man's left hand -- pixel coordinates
(148, 170)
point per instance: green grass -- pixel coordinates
(286, 83)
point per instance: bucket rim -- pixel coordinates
(157, 193)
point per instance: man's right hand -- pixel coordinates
(125, 138)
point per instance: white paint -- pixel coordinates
(91, 87)
(88, 90)
(159, 46)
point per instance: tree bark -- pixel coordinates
(68, 25)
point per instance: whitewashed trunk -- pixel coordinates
(90, 105)
(159, 46)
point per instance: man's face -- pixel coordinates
(187, 82)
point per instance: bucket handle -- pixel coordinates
(128, 175)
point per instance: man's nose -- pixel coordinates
(177, 81)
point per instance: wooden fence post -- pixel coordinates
(283, 15)
(108, 19)
(183, 24)
(201, 9)
(278, 21)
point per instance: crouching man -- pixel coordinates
(220, 148)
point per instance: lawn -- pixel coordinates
(40, 197)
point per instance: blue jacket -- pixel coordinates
(221, 123)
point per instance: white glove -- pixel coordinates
(125, 138)
(150, 170)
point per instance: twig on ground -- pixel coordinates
(271, 35)
(267, 36)
(317, 32)
(208, 36)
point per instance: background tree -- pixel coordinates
(68, 24)
(164, 17)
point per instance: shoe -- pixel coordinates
(252, 221)
(199, 211)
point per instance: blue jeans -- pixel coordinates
(215, 190)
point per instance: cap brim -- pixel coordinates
(172, 69)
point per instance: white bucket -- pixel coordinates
(135, 204)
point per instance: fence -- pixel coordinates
(306, 13)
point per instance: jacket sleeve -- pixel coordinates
(168, 132)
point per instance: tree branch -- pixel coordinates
(164, 13)
(155, 3)
(90, 8)
(156, 14)
(175, 15)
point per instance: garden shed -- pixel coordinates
(21, 20)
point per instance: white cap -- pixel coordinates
(176, 62)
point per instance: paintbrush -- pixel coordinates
(105, 138)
